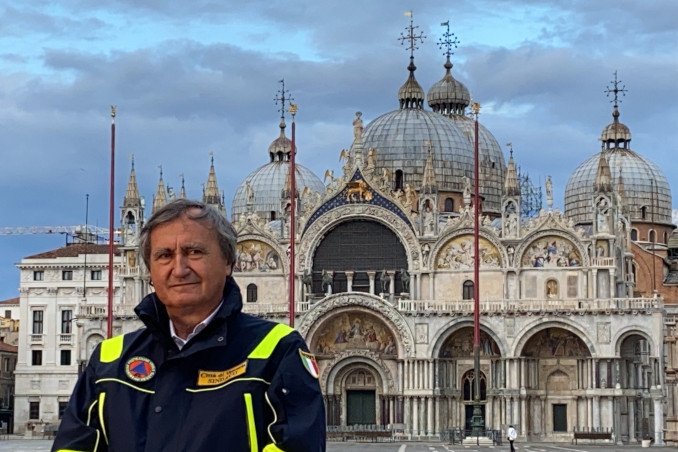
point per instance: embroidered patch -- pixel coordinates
(212, 377)
(140, 368)
(309, 363)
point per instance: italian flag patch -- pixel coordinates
(309, 363)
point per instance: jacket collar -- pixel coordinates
(154, 315)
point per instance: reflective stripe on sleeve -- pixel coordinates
(111, 349)
(71, 450)
(272, 448)
(267, 345)
(102, 398)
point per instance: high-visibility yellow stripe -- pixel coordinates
(102, 397)
(267, 345)
(272, 448)
(251, 427)
(71, 450)
(111, 349)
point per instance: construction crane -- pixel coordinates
(89, 233)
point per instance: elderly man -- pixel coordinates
(201, 376)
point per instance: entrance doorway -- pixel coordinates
(361, 407)
(559, 417)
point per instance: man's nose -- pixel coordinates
(180, 267)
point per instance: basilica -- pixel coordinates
(577, 308)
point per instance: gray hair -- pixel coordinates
(209, 216)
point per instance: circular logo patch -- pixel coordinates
(140, 368)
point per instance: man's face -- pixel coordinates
(188, 270)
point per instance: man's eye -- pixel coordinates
(162, 256)
(195, 252)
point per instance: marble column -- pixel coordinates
(371, 276)
(349, 281)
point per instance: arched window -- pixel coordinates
(449, 205)
(469, 386)
(467, 293)
(634, 235)
(643, 212)
(251, 293)
(399, 180)
(652, 236)
(666, 237)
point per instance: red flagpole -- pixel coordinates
(293, 221)
(111, 233)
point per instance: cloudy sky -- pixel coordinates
(190, 78)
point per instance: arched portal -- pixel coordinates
(555, 362)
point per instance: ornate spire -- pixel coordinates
(616, 134)
(160, 198)
(132, 198)
(280, 148)
(211, 195)
(603, 181)
(429, 184)
(448, 96)
(182, 193)
(411, 95)
(512, 184)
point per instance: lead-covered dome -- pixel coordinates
(646, 192)
(261, 191)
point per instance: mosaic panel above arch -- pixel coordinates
(551, 251)
(555, 342)
(256, 256)
(460, 345)
(352, 331)
(458, 254)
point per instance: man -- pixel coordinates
(202, 376)
(511, 435)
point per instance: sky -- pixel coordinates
(200, 77)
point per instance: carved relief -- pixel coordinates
(353, 331)
(553, 342)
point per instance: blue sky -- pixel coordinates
(190, 78)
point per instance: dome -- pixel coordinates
(400, 138)
(448, 96)
(644, 185)
(492, 163)
(267, 183)
(646, 192)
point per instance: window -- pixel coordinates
(96, 275)
(5, 365)
(62, 408)
(33, 410)
(399, 180)
(467, 291)
(38, 275)
(66, 321)
(634, 235)
(653, 236)
(8, 314)
(37, 322)
(449, 205)
(643, 212)
(65, 357)
(67, 275)
(251, 293)
(36, 357)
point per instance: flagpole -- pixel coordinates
(293, 221)
(477, 421)
(111, 233)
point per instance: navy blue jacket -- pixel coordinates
(243, 384)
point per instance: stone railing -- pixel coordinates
(603, 261)
(527, 305)
(101, 311)
(274, 308)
